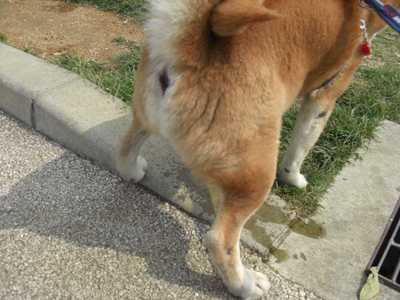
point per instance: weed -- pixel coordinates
(131, 8)
(3, 38)
(26, 49)
(123, 41)
(29, 50)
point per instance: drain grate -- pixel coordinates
(387, 255)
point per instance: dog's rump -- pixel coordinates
(307, 41)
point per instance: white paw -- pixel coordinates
(292, 178)
(134, 172)
(255, 285)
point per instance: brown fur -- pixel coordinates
(242, 64)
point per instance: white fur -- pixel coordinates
(294, 178)
(165, 25)
(255, 285)
(133, 169)
(157, 105)
(132, 166)
(167, 21)
(241, 282)
(306, 131)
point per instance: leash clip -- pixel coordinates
(364, 29)
(364, 4)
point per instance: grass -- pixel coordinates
(26, 49)
(126, 8)
(116, 77)
(3, 38)
(386, 47)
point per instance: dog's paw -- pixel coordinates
(292, 178)
(135, 172)
(255, 285)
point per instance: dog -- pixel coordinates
(215, 78)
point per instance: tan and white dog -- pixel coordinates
(215, 78)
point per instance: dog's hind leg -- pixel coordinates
(315, 111)
(243, 190)
(130, 165)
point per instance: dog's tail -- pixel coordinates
(231, 17)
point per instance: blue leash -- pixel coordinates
(387, 12)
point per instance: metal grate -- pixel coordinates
(387, 255)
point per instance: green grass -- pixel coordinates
(3, 38)
(386, 47)
(381, 88)
(26, 49)
(126, 8)
(116, 77)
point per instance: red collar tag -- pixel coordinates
(365, 48)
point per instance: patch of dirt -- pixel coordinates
(53, 28)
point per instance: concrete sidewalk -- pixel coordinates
(88, 121)
(356, 210)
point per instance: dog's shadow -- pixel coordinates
(71, 199)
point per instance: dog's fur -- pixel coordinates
(215, 78)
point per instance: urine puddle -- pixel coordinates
(313, 229)
(279, 254)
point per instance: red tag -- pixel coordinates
(365, 48)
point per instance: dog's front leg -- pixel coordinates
(310, 122)
(315, 111)
(130, 165)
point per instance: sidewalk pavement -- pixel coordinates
(78, 115)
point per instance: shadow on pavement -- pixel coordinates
(74, 200)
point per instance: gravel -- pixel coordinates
(71, 230)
